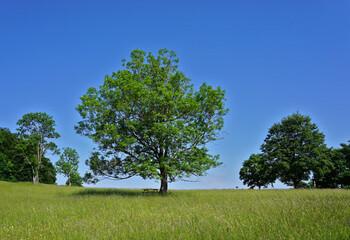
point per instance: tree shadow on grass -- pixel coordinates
(116, 192)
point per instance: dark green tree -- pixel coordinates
(257, 171)
(68, 164)
(335, 172)
(341, 162)
(8, 153)
(344, 168)
(47, 172)
(294, 145)
(38, 132)
(326, 171)
(13, 164)
(148, 121)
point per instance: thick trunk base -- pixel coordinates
(164, 185)
(36, 178)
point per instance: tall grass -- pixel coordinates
(55, 212)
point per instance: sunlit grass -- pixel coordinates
(55, 212)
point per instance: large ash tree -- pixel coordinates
(148, 121)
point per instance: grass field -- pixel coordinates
(30, 211)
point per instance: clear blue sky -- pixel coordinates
(273, 58)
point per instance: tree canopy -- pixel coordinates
(335, 172)
(257, 172)
(148, 121)
(294, 145)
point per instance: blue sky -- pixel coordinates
(273, 58)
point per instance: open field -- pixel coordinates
(30, 211)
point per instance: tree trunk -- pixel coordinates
(36, 177)
(296, 183)
(164, 184)
(69, 183)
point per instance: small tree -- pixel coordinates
(68, 164)
(148, 121)
(37, 131)
(75, 180)
(257, 172)
(294, 145)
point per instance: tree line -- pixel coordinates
(23, 155)
(295, 153)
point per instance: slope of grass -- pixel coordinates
(55, 212)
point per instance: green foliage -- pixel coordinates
(336, 171)
(148, 121)
(327, 172)
(13, 164)
(75, 180)
(345, 173)
(38, 125)
(257, 172)
(37, 131)
(294, 146)
(7, 154)
(53, 212)
(68, 166)
(293, 150)
(47, 172)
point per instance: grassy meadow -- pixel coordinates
(30, 211)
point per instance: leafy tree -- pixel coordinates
(327, 171)
(37, 130)
(148, 121)
(7, 154)
(294, 145)
(257, 172)
(14, 167)
(335, 172)
(68, 164)
(75, 180)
